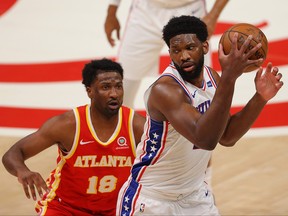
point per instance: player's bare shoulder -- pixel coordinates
(166, 95)
(65, 120)
(61, 129)
(167, 88)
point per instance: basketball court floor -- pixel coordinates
(250, 178)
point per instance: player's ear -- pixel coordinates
(205, 47)
(89, 91)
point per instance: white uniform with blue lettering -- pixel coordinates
(168, 174)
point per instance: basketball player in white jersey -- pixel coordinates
(142, 42)
(187, 116)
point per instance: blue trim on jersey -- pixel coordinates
(129, 198)
(212, 79)
(151, 148)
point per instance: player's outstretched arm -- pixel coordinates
(267, 84)
(51, 132)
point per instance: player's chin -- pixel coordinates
(114, 108)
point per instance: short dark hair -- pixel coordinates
(184, 25)
(95, 67)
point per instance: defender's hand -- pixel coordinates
(30, 181)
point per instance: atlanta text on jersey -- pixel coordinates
(103, 161)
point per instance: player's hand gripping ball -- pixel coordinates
(244, 30)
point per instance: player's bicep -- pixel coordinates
(175, 106)
(36, 142)
(184, 120)
(50, 133)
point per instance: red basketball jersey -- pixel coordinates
(90, 176)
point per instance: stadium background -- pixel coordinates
(44, 45)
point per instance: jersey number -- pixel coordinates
(106, 184)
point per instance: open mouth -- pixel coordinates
(187, 66)
(113, 105)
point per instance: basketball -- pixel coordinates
(244, 30)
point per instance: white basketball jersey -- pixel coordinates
(166, 163)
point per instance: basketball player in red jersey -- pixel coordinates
(96, 145)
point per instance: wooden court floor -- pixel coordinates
(248, 179)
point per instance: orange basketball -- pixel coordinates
(244, 30)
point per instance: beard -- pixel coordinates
(110, 109)
(189, 76)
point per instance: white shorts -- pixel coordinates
(141, 42)
(133, 200)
